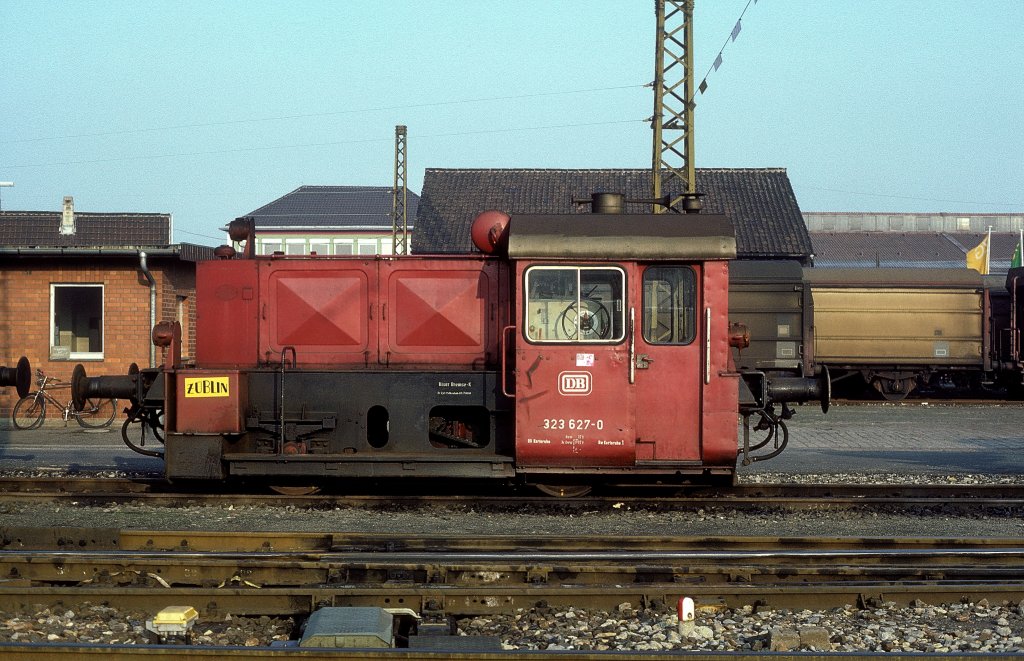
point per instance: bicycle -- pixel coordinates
(30, 411)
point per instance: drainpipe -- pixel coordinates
(152, 304)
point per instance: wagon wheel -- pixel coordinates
(564, 491)
(894, 390)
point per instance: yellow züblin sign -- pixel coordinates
(210, 386)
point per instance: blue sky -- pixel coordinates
(208, 110)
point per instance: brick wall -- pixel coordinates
(25, 311)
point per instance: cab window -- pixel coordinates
(670, 301)
(582, 304)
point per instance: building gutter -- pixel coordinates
(152, 304)
(49, 251)
(186, 252)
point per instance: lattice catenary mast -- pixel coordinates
(399, 217)
(673, 101)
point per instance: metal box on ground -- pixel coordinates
(349, 627)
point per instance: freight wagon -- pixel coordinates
(901, 329)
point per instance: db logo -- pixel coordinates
(574, 383)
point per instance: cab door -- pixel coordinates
(668, 363)
(572, 396)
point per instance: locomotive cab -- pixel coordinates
(621, 359)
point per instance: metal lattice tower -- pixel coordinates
(399, 217)
(673, 106)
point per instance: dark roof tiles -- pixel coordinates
(907, 249)
(759, 202)
(42, 228)
(341, 207)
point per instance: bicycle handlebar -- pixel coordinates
(45, 381)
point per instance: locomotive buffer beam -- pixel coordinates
(137, 386)
(758, 391)
(758, 396)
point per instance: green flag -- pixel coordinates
(1016, 262)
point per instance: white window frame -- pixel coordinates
(348, 243)
(372, 244)
(292, 244)
(616, 314)
(77, 355)
(277, 244)
(320, 246)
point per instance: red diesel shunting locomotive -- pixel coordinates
(578, 349)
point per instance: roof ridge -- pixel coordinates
(701, 169)
(322, 186)
(88, 214)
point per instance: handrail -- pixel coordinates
(504, 362)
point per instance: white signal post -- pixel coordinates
(684, 611)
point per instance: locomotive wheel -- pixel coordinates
(307, 490)
(564, 491)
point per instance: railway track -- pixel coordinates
(441, 578)
(359, 568)
(158, 492)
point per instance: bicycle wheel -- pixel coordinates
(97, 413)
(29, 412)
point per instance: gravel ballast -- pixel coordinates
(963, 627)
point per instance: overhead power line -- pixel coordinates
(202, 236)
(332, 113)
(238, 150)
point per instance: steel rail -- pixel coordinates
(508, 562)
(43, 539)
(156, 491)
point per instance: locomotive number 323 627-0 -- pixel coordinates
(573, 423)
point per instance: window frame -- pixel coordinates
(319, 246)
(579, 268)
(292, 244)
(691, 322)
(72, 354)
(278, 245)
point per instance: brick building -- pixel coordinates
(74, 289)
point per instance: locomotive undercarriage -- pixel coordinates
(356, 424)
